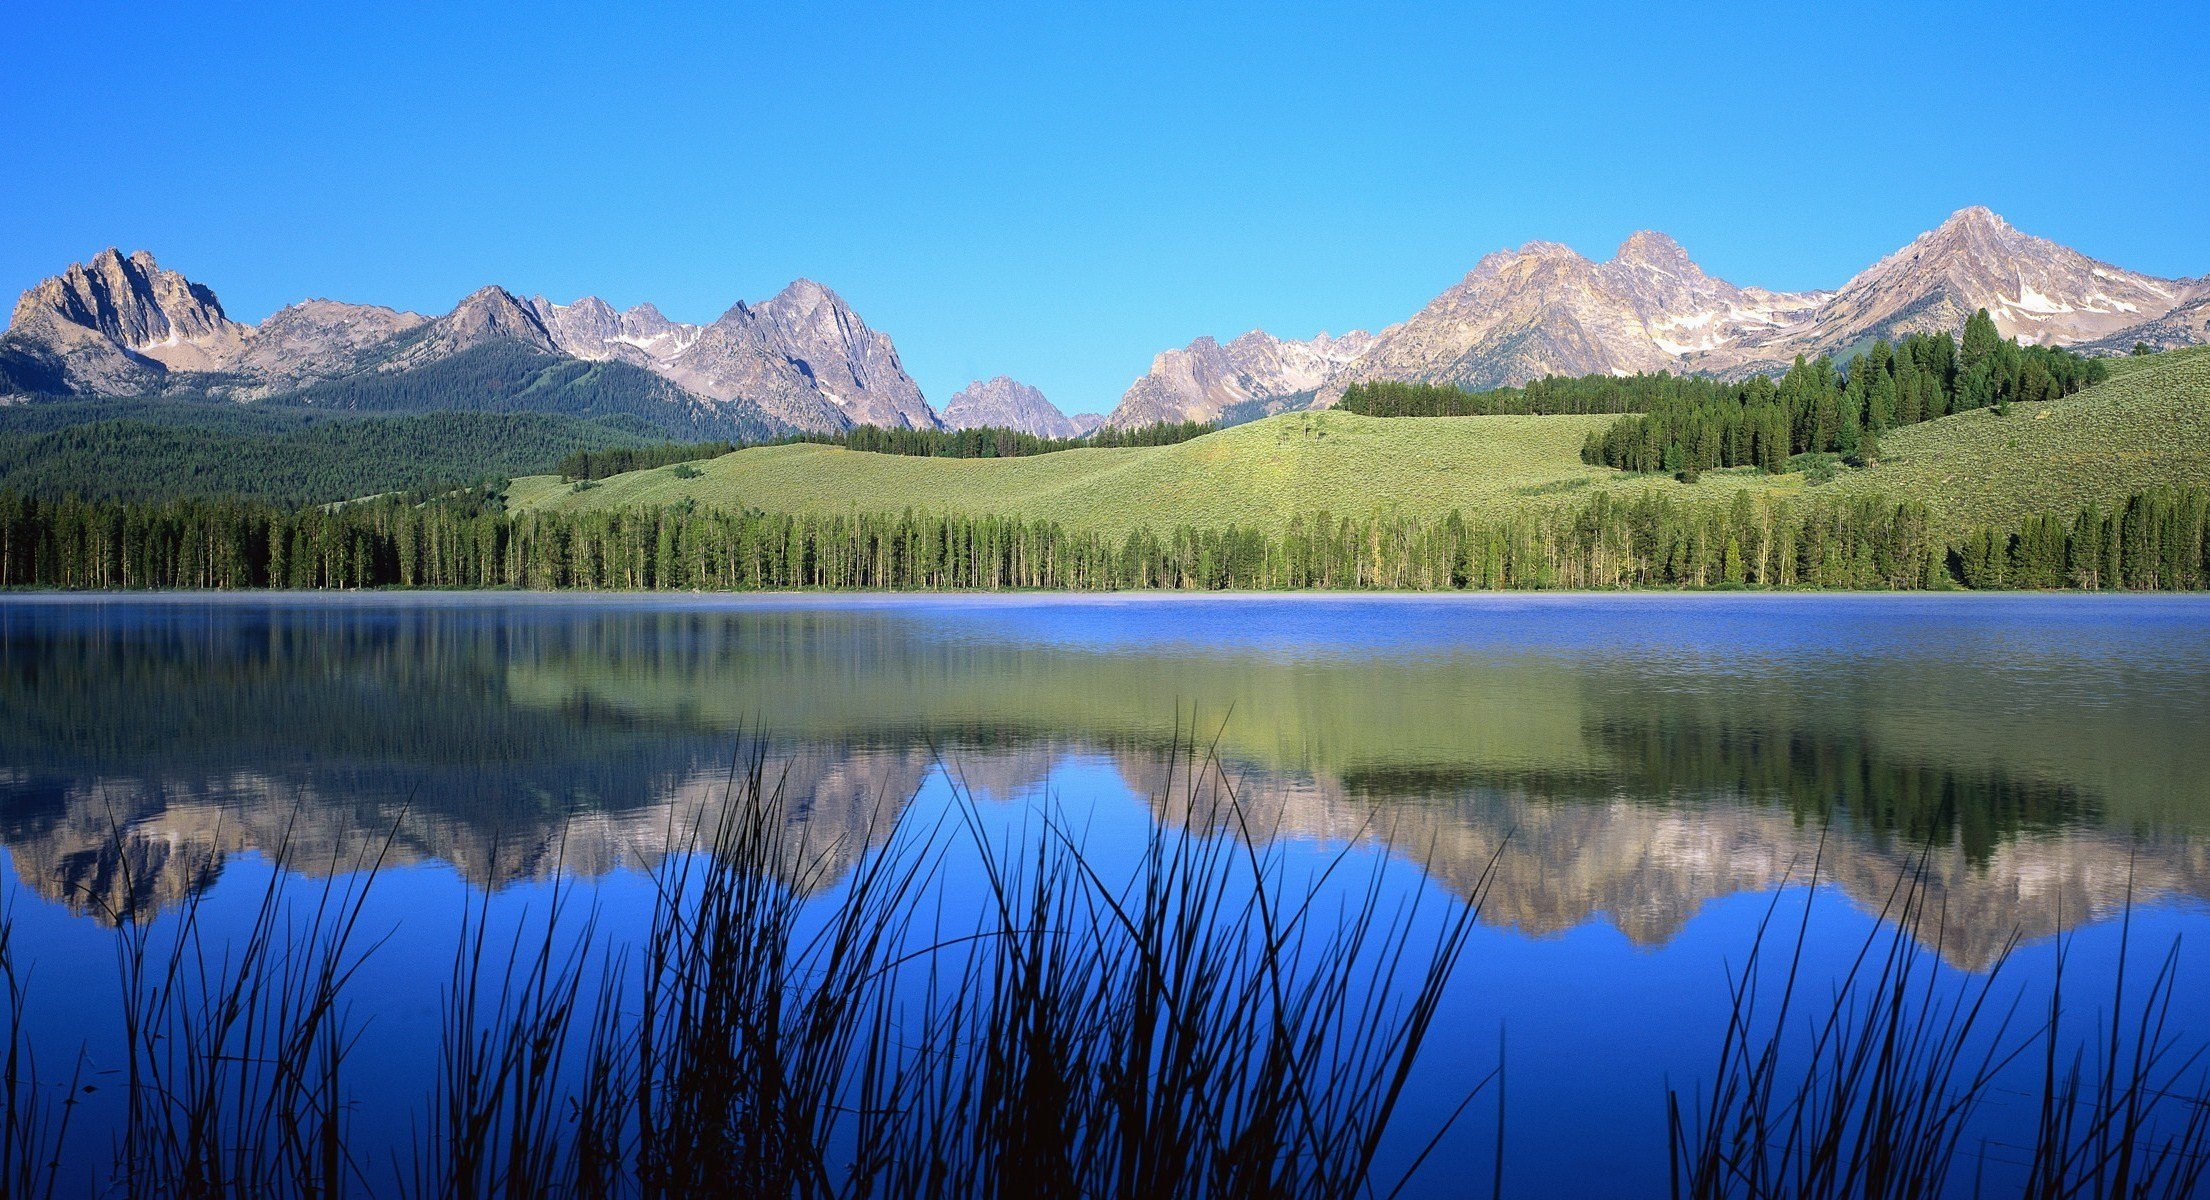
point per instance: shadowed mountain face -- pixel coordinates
(1604, 767)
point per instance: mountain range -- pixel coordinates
(804, 360)
(1544, 309)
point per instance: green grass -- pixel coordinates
(2128, 364)
(2148, 426)
(1262, 473)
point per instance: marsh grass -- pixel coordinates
(1877, 1088)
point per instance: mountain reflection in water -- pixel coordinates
(1615, 761)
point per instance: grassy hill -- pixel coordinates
(2149, 425)
(1261, 473)
(2143, 428)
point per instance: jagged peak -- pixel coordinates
(490, 293)
(1974, 216)
(1650, 248)
(807, 291)
(1547, 249)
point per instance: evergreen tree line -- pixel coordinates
(615, 460)
(980, 442)
(993, 442)
(2152, 541)
(1815, 409)
(1544, 397)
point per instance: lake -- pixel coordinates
(1630, 785)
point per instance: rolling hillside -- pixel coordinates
(2144, 428)
(1262, 473)
(2148, 426)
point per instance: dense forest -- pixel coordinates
(1543, 397)
(1813, 409)
(289, 457)
(2153, 541)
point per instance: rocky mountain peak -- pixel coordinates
(1973, 216)
(854, 367)
(116, 324)
(1006, 403)
(1539, 249)
(130, 301)
(1256, 371)
(1649, 248)
(2036, 289)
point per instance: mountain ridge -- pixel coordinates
(121, 325)
(1546, 309)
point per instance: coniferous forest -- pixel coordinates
(2154, 541)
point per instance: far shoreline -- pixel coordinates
(857, 598)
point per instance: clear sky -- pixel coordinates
(1057, 193)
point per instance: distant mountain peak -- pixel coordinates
(1002, 402)
(1648, 247)
(1974, 215)
(1257, 370)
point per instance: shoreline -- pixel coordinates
(868, 597)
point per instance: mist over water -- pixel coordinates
(1635, 780)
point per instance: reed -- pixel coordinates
(1878, 1088)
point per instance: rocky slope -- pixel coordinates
(2187, 325)
(120, 326)
(319, 339)
(1205, 379)
(1003, 403)
(1546, 310)
(2036, 289)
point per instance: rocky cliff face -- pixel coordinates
(854, 367)
(1003, 403)
(320, 339)
(1545, 310)
(592, 329)
(2187, 325)
(1205, 379)
(117, 324)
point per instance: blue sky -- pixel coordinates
(1059, 192)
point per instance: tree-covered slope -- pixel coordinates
(513, 377)
(285, 457)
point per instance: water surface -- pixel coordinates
(1637, 777)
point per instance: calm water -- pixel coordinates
(1644, 774)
